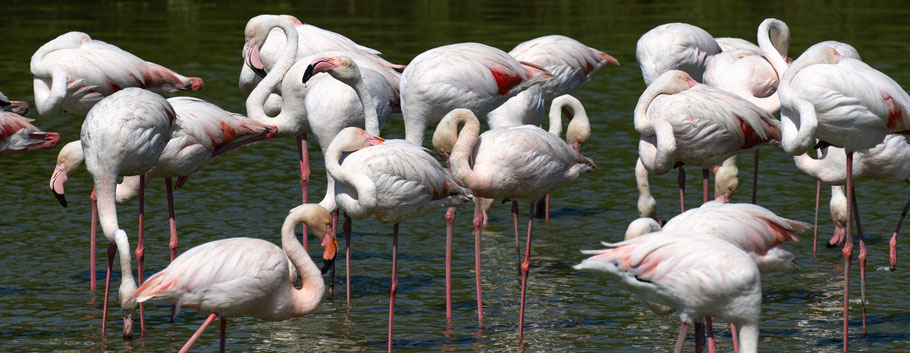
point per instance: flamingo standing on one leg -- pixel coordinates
(17, 134)
(843, 102)
(694, 274)
(390, 181)
(124, 134)
(521, 162)
(73, 72)
(18, 107)
(247, 276)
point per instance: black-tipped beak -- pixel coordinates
(60, 198)
(259, 71)
(309, 70)
(327, 265)
(822, 144)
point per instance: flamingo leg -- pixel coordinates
(818, 191)
(517, 242)
(223, 334)
(735, 338)
(140, 248)
(683, 330)
(681, 180)
(699, 337)
(208, 321)
(450, 225)
(347, 256)
(93, 241)
(478, 231)
(547, 209)
(861, 258)
(172, 245)
(303, 151)
(393, 289)
(847, 251)
(709, 330)
(892, 245)
(704, 185)
(111, 250)
(525, 268)
(334, 231)
(755, 179)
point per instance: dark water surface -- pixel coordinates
(45, 303)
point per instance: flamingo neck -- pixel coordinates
(661, 155)
(775, 51)
(643, 123)
(305, 299)
(748, 337)
(369, 109)
(647, 206)
(128, 189)
(579, 130)
(463, 147)
(49, 100)
(105, 191)
(285, 121)
(357, 208)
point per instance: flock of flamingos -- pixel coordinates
(707, 100)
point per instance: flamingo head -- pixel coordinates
(68, 160)
(255, 33)
(319, 221)
(342, 68)
(673, 81)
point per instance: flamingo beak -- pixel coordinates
(318, 65)
(374, 140)
(252, 58)
(330, 244)
(58, 179)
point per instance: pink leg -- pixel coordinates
(547, 209)
(683, 330)
(735, 338)
(699, 337)
(892, 245)
(303, 150)
(94, 236)
(517, 243)
(188, 344)
(347, 256)
(450, 225)
(111, 250)
(704, 185)
(755, 179)
(709, 330)
(332, 273)
(525, 267)
(681, 180)
(140, 248)
(223, 333)
(394, 287)
(478, 231)
(847, 251)
(172, 245)
(818, 191)
(861, 258)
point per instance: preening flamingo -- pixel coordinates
(674, 46)
(694, 274)
(18, 107)
(846, 103)
(521, 162)
(247, 276)
(17, 134)
(124, 134)
(73, 72)
(389, 180)
(464, 75)
(201, 131)
(681, 121)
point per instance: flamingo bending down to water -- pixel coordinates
(674, 46)
(389, 180)
(17, 134)
(694, 274)
(124, 134)
(846, 103)
(247, 276)
(521, 162)
(681, 121)
(201, 131)
(18, 107)
(73, 72)
(464, 75)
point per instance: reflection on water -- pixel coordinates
(45, 303)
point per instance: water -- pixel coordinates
(46, 304)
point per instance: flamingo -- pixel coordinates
(521, 162)
(389, 180)
(689, 272)
(73, 72)
(247, 276)
(18, 107)
(201, 131)
(681, 121)
(17, 134)
(464, 75)
(846, 103)
(674, 46)
(326, 105)
(124, 134)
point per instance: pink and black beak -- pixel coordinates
(253, 61)
(331, 249)
(58, 179)
(318, 65)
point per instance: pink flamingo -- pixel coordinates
(694, 274)
(73, 72)
(389, 180)
(18, 107)
(464, 75)
(674, 46)
(17, 134)
(843, 102)
(521, 162)
(124, 134)
(247, 276)
(681, 121)
(201, 131)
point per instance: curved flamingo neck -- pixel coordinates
(647, 205)
(579, 130)
(366, 200)
(371, 121)
(641, 121)
(464, 146)
(774, 51)
(305, 299)
(255, 103)
(664, 154)
(797, 140)
(49, 100)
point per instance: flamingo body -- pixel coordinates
(674, 46)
